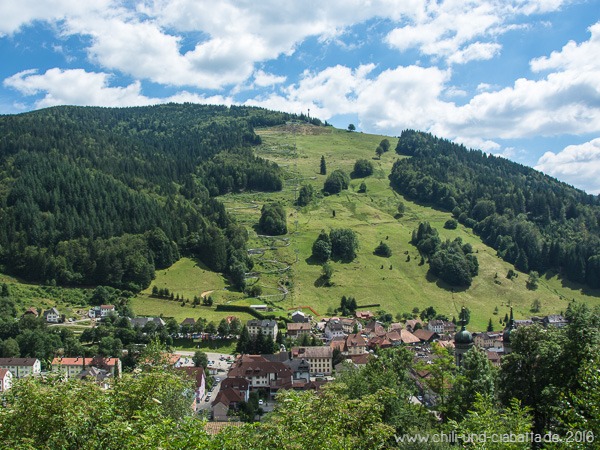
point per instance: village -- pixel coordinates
(226, 384)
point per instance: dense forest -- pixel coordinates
(107, 195)
(533, 221)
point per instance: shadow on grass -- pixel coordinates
(431, 278)
(322, 282)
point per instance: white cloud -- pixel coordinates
(264, 79)
(78, 87)
(454, 30)
(578, 165)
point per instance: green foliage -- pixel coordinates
(532, 220)
(351, 127)
(362, 168)
(323, 166)
(344, 243)
(200, 359)
(451, 224)
(533, 280)
(273, 219)
(321, 249)
(327, 273)
(336, 182)
(383, 250)
(305, 195)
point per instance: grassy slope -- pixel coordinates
(400, 285)
(371, 215)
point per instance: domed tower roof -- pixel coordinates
(463, 336)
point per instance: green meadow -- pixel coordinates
(398, 283)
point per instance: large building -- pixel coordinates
(21, 367)
(319, 358)
(261, 373)
(72, 367)
(266, 327)
(5, 380)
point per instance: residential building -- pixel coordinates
(488, 339)
(364, 315)
(411, 325)
(300, 317)
(266, 327)
(319, 358)
(71, 367)
(333, 329)
(374, 328)
(426, 335)
(300, 369)
(188, 322)
(197, 375)
(52, 315)
(6, 377)
(349, 325)
(102, 311)
(555, 320)
(98, 376)
(240, 385)
(143, 321)
(226, 400)
(31, 311)
(355, 344)
(21, 367)
(295, 330)
(437, 326)
(261, 373)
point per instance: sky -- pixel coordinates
(516, 78)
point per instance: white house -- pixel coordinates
(52, 315)
(102, 311)
(334, 329)
(266, 327)
(21, 367)
(5, 380)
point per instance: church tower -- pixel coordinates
(463, 340)
(510, 326)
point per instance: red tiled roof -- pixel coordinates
(195, 373)
(227, 397)
(96, 361)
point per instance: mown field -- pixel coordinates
(398, 283)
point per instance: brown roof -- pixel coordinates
(312, 352)
(355, 340)
(195, 373)
(188, 321)
(227, 397)
(360, 359)
(240, 384)
(364, 314)
(425, 335)
(395, 326)
(17, 361)
(408, 338)
(255, 365)
(3, 372)
(337, 344)
(300, 326)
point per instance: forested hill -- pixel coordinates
(106, 195)
(532, 220)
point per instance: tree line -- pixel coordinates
(533, 221)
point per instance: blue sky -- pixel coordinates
(518, 78)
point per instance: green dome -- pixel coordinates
(506, 335)
(463, 337)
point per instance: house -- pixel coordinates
(295, 330)
(349, 325)
(266, 327)
(339, 344)
(102, 311)
(376, 342)
(5, 380)
(437, 326)
(494, 357)
(333, 330)
(300, 317)
(141, 322)
(395, 326)
(197, 375)
(226, 401)
(98, 376)
(406, 337)
(355, 344)
(374, 328)
(488, 339)
(364, 315)
(411, 325)
(319, 358)
(188, 322)
(71, 367)
(300, 369)
(52, 315)
(21, 367)
(261, 373)
(31, 312)
(240, 385)
(555, 320)
(426, 335)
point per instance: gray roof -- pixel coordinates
(262, 323)
(142, 321)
